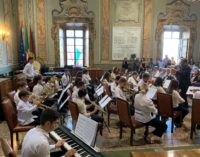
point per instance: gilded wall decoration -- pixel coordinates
(73, 11)
(177, 13)
(105, 27)
(41, 30)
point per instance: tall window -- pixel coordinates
(75, 40)
(171, 45)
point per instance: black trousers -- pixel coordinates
(57, 153)
(160, 126)
(184, 111)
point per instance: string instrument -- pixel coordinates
(128, 90)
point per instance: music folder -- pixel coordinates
(166, 84)
(63, 91)
(151, 92)
(100, 91)
(86, 129)
(104, 101)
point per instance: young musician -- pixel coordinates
(86, 77)
(20, 86)
(114, 73)
(25, 109)
(145, 79)
(58, 83)
(144, 108)
(29, 69)
(82, 107)
(159, 85)
(66, 78)
(114, 85)
(119, 93)
(38, 88)
(178, 102)
(133, 79)
(106, 79)
(36, 144)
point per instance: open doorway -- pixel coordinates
(175, 42)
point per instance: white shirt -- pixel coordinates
(140, 83)
(196, 95)
(113, 86)
(24, 112)
(75, 94)
(36, 144)
(38, 89)
(16, 97)
(29, 70)
(86, 79)
(143, 108)
(81, 106)
(119, 93)
(132, 81)
(65, 80)
(177, 99)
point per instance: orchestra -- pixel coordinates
(131, 86)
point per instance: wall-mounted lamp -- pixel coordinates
(4, 34)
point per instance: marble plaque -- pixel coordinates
(127, 10)
(126, 41)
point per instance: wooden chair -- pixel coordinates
(126, 119)
(7, 149)
(165, 108)
(74, 112)
(11, 118)
(11, 97)
(195, 115)
(111, 107)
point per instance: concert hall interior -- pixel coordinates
(100, 78)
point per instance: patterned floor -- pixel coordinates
(111, 142)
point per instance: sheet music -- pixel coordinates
(100, 91)
(98, 87)
(157, 74)
(166, 84)
(192, 89)
(104, 101)
(61, 95)
(151, 92)
(86, 129)
(60, 107)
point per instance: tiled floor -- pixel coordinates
(110, 141)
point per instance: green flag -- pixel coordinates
(26, 42)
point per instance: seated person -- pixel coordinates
(38, 88)
(80, 86)
(114, 85)
(144, 108)
(114, 73)
(119, 93)
(159, 85)
(178, 102)
(82, 107)
(58, 83)
(25, 110)
(20, 86)
(86, 77)
(106, 79)
(36, 144)
(133, 79)
(145, 79)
